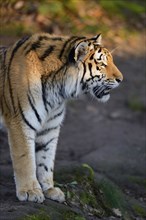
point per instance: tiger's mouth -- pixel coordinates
(101, 93)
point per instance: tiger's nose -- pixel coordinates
(118, 76)
(119, 80)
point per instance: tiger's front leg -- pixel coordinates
(45, 156)
(22, 147)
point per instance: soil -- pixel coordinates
(109, 137)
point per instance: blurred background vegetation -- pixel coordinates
(115, 19)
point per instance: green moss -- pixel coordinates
(102, 198)
(82, 193)
(91, 171)
(138, 180)
(139, 210)
(113, 198)
(135, 105)
(40, 216)
(72, 216)
(88, 198)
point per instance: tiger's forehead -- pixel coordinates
(100, 53)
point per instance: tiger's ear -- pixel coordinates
(80, 51)
(98, 39)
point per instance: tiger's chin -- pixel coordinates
(104, 98)
(101, 93)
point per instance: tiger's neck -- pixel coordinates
(62, 85)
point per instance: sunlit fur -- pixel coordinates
(37, 75)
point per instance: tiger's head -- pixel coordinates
(99, 74)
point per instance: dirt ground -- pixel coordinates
(110, 137)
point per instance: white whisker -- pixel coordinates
(114, 49)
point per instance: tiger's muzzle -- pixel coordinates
(102, 92)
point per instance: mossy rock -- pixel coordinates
(87, 196)
(95, 198)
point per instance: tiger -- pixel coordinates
(38, 74)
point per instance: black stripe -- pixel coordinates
(29, 90)
(24, 119)
(75, 90)
(4, 62)
(26, 46)
(84, 72)
(99, 51)
(98, 90)
(18, 45)
(30, 94)
(33, 108)
(71, 40)
(43, 165)
(50, 38)
(40, 147)
(47, 52)
(95, 61)
(34, 46)
(4, 76)
(65, 45)
(78, 38)
(81, 38)
(6, 103)
(100, 57)
(47, 130)
(44, 95)
(56, 38)
(92, 57)
(55, 116)
(90, 69)
(62, 91)
(43, 38)
(2, 49)
(37, 44)
(2, 109)
(84, 84)
(48, 103)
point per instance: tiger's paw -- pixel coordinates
(55, 194)
(35, 195)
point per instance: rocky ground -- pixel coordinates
(111, 138)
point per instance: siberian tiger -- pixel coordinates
(37, 75)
